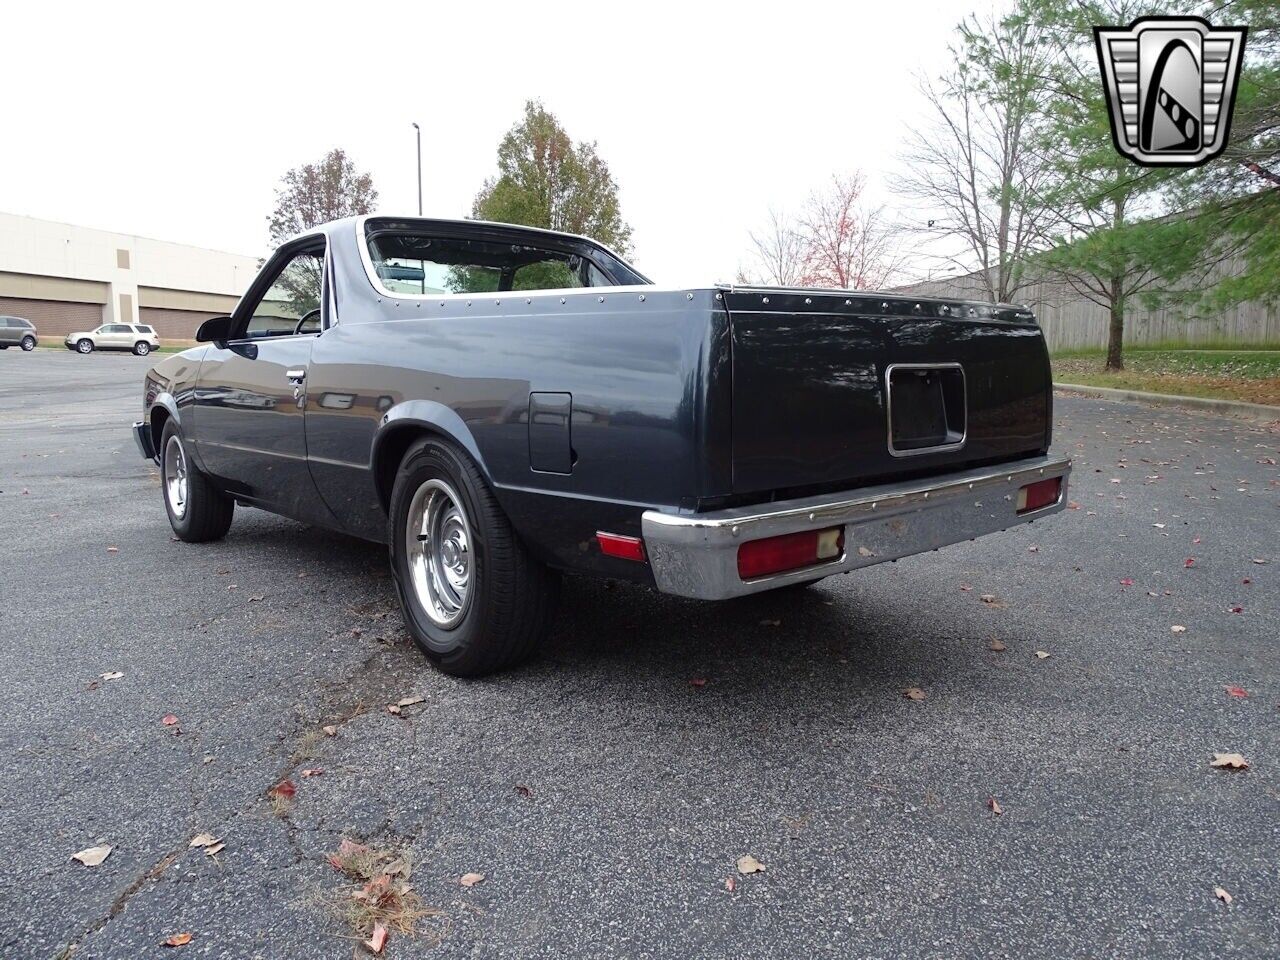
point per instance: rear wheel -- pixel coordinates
(85, 346)
(141, 348)
(474, 599)
(198, 511)
(28, 343)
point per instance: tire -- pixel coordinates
(84, 346)
(141, 348)
(198, 511)
(28, 343)
(507, 602)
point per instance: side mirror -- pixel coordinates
(215, 330)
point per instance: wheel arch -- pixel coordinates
(163, 409)
(405, 424)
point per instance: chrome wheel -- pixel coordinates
(84, 346)
(142, 349)
(28, 344)
(175, 477)
(438, 546)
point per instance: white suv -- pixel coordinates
(138, 337)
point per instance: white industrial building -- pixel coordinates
(64, 278)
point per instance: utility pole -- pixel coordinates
(418, 133)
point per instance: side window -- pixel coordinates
(412, 263)
(6, 322)
(118, 328)
(292, 303)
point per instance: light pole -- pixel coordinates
(418, 134)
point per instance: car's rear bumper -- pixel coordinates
(696, 555)
(142, 437)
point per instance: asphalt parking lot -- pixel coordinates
(607, 790)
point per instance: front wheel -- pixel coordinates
(85, 346)
(141, 348)
(474, 599)
(198, 511)
(28, 344)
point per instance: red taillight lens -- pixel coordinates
(616, 545)
(791, 551)
(1042, 493)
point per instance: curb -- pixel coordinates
(1254, 411)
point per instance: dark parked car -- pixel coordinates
(499, 404)
(17, 332)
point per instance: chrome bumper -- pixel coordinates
(142, 437)
(696, 555)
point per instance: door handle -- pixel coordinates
(296, 376)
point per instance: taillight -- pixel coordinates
(616, 545)
(791, 551)
(1042, 493)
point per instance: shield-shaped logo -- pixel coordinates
(1171, 84)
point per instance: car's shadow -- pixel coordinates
(833, 645)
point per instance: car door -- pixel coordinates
(249, 405)
(9, 332)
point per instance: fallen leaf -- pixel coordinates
(257, 598)
(749, 864)
(177, 940)
(214, 850)
(523, 790)
(411, 701)
(1042, 655)
(965, 587)
(1237, 609)
(770, 623)
(112, 675)
(997, 645)
(470, 879)
(1229, 761)
(203, 840)
(1158, 526)
(864, 552)
(1240, 692)
(994, 806)
(1178, 628)
(113, 549)
(988, 598)
(378, 939)
(285, 789)
(92, 856)
(330, 731)
(1033, 549)
(1223, 895)
(698, 682)
(913, 693)
(1126, 582)
(730, 884)
(1259, 561)
(1189, 562)
(393, 709)
(169, 719)
(312, 772)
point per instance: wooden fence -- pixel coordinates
(1072, 322)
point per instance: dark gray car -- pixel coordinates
(17, 332)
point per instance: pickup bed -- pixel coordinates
(498, 404)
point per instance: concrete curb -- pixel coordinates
(1254, 411)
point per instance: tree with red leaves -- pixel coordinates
(846, 242)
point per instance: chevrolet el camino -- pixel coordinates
(500, 404)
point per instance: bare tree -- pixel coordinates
(308, 196)
(846, 243)
(973, 174)
(777, 257)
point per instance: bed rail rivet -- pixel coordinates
(642, 298)
(734, 530)
(688, 296)
(599, 299)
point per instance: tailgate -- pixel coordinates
(843, 389)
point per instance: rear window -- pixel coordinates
(143, 328)
(410, 263)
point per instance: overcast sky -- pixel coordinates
(175, 122)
